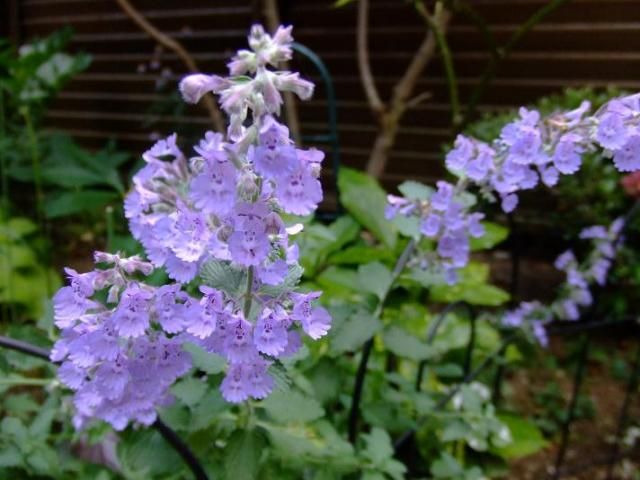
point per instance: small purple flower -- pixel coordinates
(566, 157)
(315, 321)
(249, 245)
(299, 192)
(131, 318)
(612, 134)
(214, 190)
(270, 334)
(627, 158)
(459, 156)
(442, 197)
(509, 203)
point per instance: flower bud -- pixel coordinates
(194, 87)
(248, 188)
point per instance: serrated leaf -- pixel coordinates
(242, 454)
(292, 406)
(71, 203)
(363, 197)
(201, 359)
(10, 456)
(145, 453)
(294, 274)
(493, 235)
(375, 278)
(353, 332)
(378, 446)
(526, 438)
(360, 254)
(404, 344)
(223, 276)
(415, 190)
(189, 390)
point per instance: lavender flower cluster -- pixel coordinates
(576, 292)
(529, 150)
(220, 208)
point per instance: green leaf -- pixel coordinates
(415, 190)
(145, 453)
(494, 234)
(405, 344)
(471, 288)
(10, 456)
(375, 278)
(189, 390)
(338, 278)
(360, 254)
(526, 437)
(357, 329)
(363, 197)
(378, 446)
(207, 362)
(342, 3)
(21, 227)
(223, 276)
(446, 467)
(242, 455)
(292, 406)
(71, 203)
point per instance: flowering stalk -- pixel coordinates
(529, 150)
(581, 280)
(212, 221)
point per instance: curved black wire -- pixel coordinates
(163, 429)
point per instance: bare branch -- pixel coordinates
(364, 65)
(404, 88)
(214, 113)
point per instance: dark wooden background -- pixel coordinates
(585, 42)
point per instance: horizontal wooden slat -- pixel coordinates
(592, 42)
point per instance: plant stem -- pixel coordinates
(447, 60)
(368, 345)
(492, 65)
(249, 294)
(404, 438)
(10, 381)
(35, 165)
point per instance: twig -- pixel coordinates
(366, 349)
(447, 60)
(502, 53)
(364, 64)
(404, 438)
(389, 114)
(167, 433)
(214, 113)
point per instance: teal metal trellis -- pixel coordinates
(330, 138)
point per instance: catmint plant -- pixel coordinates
(529, 150)
(580, 279)
(219, 210)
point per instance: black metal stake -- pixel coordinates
(167, 433)
(468, 358)
(632, 385)
(583, 356)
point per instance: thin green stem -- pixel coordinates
(248, 298)
(8, 308)
(11, 381)
(35, 165)
(368, 345)
(492, 65)
(447, 60)
(110, 228)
